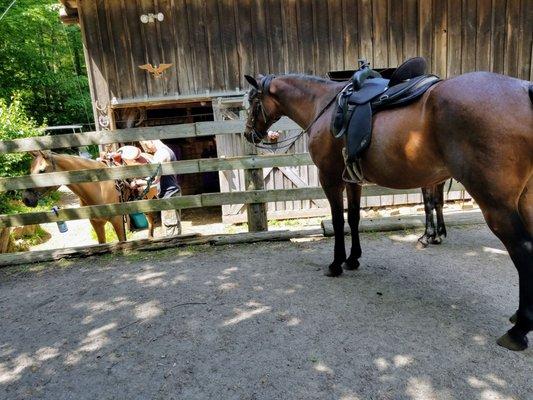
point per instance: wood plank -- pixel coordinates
(425, 32)
(468, 44)
(365, 32)
(245, 47)
(253, 180)
(336, 35)
(140, 245)
(483, 39)
(380, 23)
(166, 37)
(259, 37)
(453, 67)
(525, 64)
(228, 27)
(498, 36)
(512, 34)
(132, 134)
(321, 37)
(410, 29)
(440, 37)
(396, 28)
(275, 37)
(217, 63)
(351, 34)
(291, 55)
(306, 33)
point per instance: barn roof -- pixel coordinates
(69, 12)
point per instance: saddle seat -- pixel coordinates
(370, 92)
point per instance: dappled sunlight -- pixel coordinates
(242, 315)
(148, 310)
(95, 340)
(143, 277)
(321, 367)
(421, 389)
(228, 286)
(410, 238)
(12, 372)
(492, 250)
(487, 389)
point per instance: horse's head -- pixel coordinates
(42, 162)
(263, 108)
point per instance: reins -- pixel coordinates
(293, 139)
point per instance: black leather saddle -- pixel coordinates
(370, 91)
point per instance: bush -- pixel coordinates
(14, 124)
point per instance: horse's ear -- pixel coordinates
(46, 154)
(34, 153)
(251, 80)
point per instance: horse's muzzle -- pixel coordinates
(30, 198)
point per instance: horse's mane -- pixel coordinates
(309, 78)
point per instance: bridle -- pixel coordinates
(257, 106)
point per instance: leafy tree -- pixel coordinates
(42, 63)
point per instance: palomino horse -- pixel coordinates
(476, 128)
(92, 193)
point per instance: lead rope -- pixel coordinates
(292, 140)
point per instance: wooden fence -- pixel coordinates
(250, 163)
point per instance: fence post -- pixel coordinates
(253, 180)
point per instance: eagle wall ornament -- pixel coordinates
(157, 72)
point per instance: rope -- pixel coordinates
(295, 138)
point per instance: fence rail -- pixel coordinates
(250, 162)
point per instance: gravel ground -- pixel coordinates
(261, 322)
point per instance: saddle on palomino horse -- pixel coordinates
(370, 92)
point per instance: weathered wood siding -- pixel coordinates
(213, 43)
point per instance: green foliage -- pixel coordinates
(110, 234)
(42, 61)
(15, 124)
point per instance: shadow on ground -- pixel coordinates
(261, 322)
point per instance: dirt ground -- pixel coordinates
(261, 322)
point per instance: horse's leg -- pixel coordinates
(333, 189)
(118, 225)
(508, 225)
(353, 192)
(99, 228)
(150, 219)
(429, 232)
(525, 208)
(438, 200)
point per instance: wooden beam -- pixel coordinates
(140, 245)
(135, 171)
(132, 134)
(192, 201)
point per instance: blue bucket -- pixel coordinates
(138, 221)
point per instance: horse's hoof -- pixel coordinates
(333, 270)
(442, 232)
(422, 243)
(514, 318)
(513, 342)
(436, 240)
(351, 264)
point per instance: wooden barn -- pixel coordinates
(158, 62)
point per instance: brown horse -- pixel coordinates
(92, 193)
(476, 128)
(433, 201)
